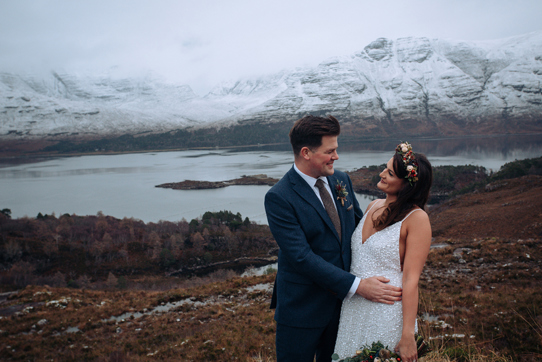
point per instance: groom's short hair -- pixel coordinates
(309, 130)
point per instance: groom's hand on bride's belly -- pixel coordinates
(375, 289)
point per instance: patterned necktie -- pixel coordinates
(328, 205)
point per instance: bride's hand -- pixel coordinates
(406, 348)
(375, 289)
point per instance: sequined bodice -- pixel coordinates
(362, 321)
(378, 255)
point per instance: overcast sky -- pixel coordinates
(200, 42)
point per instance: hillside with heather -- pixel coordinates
(479, 289)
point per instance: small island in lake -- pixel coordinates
(201, 185)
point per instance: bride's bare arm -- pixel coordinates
(416, 249)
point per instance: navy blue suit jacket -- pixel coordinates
(313, 263)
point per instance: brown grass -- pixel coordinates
(478, 316)
(223, 321)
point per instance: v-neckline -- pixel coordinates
(370, 236)
(363, 226)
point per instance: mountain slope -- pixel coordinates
(415, 85)
(417, 82)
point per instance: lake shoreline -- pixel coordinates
(255, 180)
(27, 155)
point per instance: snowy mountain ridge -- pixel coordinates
(432, 85)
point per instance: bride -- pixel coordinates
(392, 240)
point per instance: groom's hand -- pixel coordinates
(375, 289)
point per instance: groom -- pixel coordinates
(313, 230)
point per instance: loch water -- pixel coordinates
(123, 185)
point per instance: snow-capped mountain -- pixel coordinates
(433, 86)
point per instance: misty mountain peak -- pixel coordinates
(433, 85)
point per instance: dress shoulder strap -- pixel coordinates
(409, 214)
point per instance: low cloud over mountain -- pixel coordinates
(425, 86)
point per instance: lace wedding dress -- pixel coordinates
(362, 321)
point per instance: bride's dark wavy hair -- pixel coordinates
(409, 196)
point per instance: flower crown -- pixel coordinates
(409, 160)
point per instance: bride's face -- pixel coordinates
(390, 183)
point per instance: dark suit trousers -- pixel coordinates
(302, 344)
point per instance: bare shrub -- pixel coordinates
(112, 281)
(221, 275)
(58, 280)
(21, 273)
(50, 248)
(83, 281)
(13, 250)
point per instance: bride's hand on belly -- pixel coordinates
(377, 290)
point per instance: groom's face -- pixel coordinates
(322, 158)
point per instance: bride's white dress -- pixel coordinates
(362, 321)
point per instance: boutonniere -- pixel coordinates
(341, 191)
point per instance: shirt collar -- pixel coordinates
(309, 179)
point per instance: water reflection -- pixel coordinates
(507, 146)
(76, 172)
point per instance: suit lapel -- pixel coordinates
(305, 191)
(332, 180)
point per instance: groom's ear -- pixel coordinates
(305, 153)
